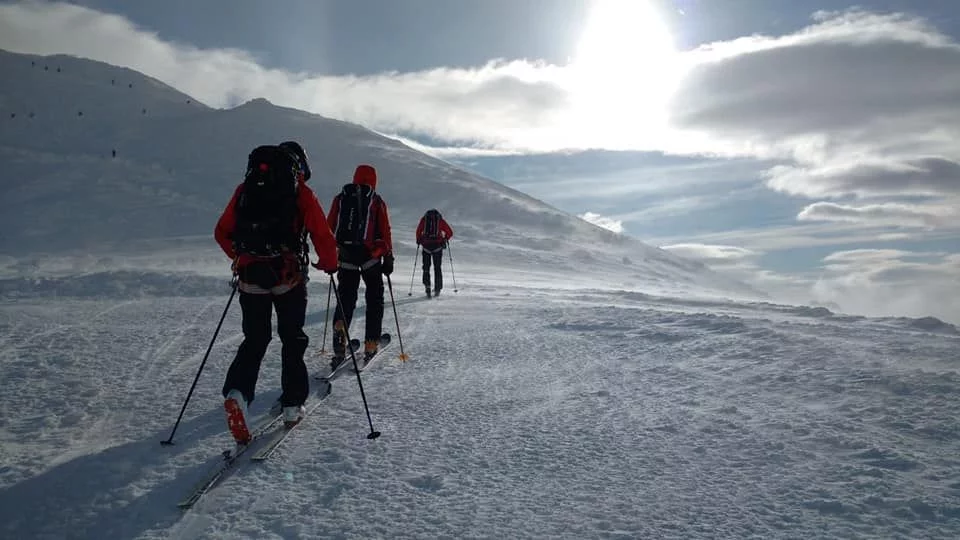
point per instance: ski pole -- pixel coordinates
(353, 355)
(403, 355)
(235, 284)
(452, 273)
(326, 319)
(416, 257)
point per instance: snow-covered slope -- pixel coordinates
(525, 411)
(177, 161)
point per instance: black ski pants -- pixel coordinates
(291, 308)
(437, 259)
(349, 285)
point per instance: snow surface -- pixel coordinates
(524, 412)
(578, 384)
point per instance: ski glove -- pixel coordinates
(387, 264)
(330, 271)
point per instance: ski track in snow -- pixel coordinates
(523, 412)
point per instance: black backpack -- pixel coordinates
(266, 210)
(353, 222)
(431, 225)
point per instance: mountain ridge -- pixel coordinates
(145, 161)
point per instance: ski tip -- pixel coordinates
(373, 435)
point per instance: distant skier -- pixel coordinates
(263, 229)
(433, 233)
(360, 222)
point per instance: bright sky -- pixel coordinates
(803, 145)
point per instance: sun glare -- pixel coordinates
(623, 72)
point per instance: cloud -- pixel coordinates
(868, 256)
(871, 282)
(892, 214)
(894, 265)
(712, 254)
(498, 105)
(857, 104)
(847, 72)
(605, 222)
(742, 264)
(869, 177)
(451, 152)
(892, 283)
(778, 238)
(880, 84)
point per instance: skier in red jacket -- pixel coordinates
(361, 224)
(263, 230)
(433, 233)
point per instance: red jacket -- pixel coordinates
(313, 220)
(444, 233)
(379, 239)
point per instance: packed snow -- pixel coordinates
(524, 411)
(567, 383)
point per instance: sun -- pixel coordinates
(624, 70)
(620, 33)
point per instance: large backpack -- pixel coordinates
(356, 211)
(431, 225)
(266, 210)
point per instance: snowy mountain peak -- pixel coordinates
(116, 159)
(258, 102)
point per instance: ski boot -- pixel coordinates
(235, 406)
(293, 415)
(370, 347)
(339, 345)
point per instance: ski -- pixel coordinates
(271, 446)
(365, 363)
(281, 435)
(269, 428)
(230, 458)
(332, 374)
